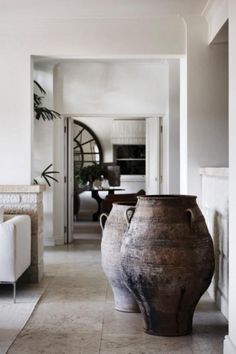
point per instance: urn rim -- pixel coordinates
(166, 197)
(125, 203)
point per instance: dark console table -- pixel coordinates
(96, 196)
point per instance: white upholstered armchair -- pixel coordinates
(15, 248)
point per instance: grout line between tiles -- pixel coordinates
(104, 310)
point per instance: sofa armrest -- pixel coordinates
(15, 250)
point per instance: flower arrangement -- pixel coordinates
(88, 174)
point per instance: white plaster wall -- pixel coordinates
(183, 127)
(96, 38)
(120, 88)
(112, 38)
(63, 38)
(207, 106)
(230, 342)
(174, 126)
(215, 207)
(43, 146)
(67, 38)
(15, 113)
(216, 13)
(113, 88)
(99, 9)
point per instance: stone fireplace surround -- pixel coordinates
(20, 199)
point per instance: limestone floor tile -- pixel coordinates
(167, 345)
(44, 283)
(91, 269)
(85, 307)
(37, 342)
(83, 343)
(80, 281)
(76, 314)
(121, 344)
(84, 321)
(77, 320)
(89, 295)
(13, 317)
(110, 296)
(78, 252)
(144, 344)
(47, 318)
(85, 275)
(122, 323)
(207, 343)
(75, 296)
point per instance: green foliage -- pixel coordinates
(46, 175)
(45, 114)
(88, 174)
(39, 109)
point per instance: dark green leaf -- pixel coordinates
(40, 87)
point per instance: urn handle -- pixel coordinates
(129, 214)
(103, 219)
(192, 217)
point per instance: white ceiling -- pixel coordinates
(64, 9)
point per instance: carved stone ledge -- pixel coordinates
(35, 188)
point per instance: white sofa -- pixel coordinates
(15, 248)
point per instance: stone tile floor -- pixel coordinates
(76, 315)
(13, 316)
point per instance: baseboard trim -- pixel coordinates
(59, 241)
(219, 298)
(229, 347)
(48, 242)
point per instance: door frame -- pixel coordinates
(68, 180)
(154, 125)
(68, 162)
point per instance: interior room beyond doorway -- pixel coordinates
(127, 154)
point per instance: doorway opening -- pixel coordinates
(90, 149)
(103, 91)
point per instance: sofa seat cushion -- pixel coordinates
(15, 250)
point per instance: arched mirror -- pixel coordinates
(87, 148)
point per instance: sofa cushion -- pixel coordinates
(1, 214)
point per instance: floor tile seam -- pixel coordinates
(47, 287)
(78, 262)
(103, 316)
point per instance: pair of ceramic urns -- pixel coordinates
(158, 257)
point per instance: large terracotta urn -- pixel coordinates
(167, 260)
(114, 225)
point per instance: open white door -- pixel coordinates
(69, 180)
(153, 145)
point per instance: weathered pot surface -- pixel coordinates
(167, 260)
(113, 232)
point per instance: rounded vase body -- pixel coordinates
(113, 232)
(167, 260)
